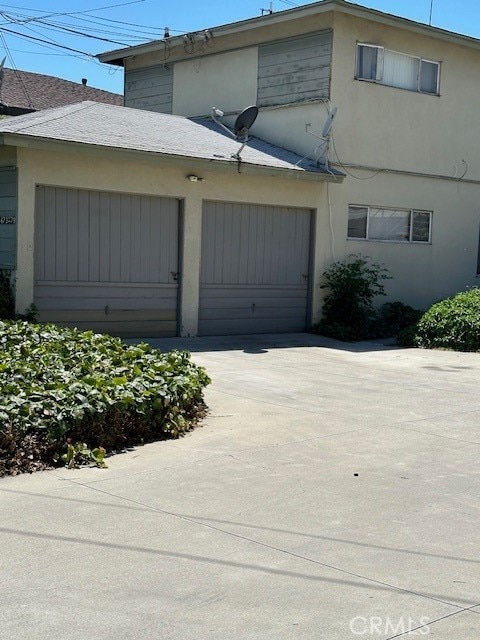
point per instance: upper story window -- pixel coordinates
(391, 225)
(377, 64)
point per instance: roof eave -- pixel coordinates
(229, 166)
(417, 27)
(117, 56)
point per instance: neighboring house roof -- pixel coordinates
(102, 126)
(117, 56)
(23, 92)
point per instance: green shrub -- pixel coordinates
(30, 314)
(352, 284)
(398, 319)
(62, 386)
(397, 316)
(453, 323)
(7, 302)
(407, 337)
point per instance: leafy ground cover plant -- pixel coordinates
(61, 387)
(453, 323)
(352, 285)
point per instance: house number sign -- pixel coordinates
(8, 220)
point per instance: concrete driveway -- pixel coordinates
(332, 493)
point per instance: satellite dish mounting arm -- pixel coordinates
(218, 113)
(321, 150)
(241, 128)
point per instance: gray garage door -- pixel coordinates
(107, 261)
(254, 271)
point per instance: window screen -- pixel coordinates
(392, 225)
(396, 69)
(428, 82)
(357, 222)
(389, 224)
(369, 62)
(421, 226)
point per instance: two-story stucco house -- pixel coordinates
(406, 132)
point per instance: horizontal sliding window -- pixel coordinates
(391, 225)
(394, 69)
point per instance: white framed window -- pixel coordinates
(389, 225)
(394, 69)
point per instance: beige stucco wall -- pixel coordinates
(422, 273)
(394, 128)
(391, 128)
(152, 177)
(286, 126)
(227, 81)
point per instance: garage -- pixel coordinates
(107, 261)
(255, 269)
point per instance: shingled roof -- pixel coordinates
(122, 129)
(23, 92)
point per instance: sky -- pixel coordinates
(61, 37)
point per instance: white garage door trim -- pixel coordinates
(107, 261)
(254, 269)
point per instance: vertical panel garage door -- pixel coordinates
(107, 261)
(254, 271)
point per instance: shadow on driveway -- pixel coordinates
(262, 343)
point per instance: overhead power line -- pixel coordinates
(72, 33)
(80, 33)
(72, 13)
(43, 41)
(18, 75)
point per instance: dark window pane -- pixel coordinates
(357, 222)
(421, 226)
(428, 77)
(367, 62)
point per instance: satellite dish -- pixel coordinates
(329, 123)
(241, 127)
(321, 150)
(244, 121)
